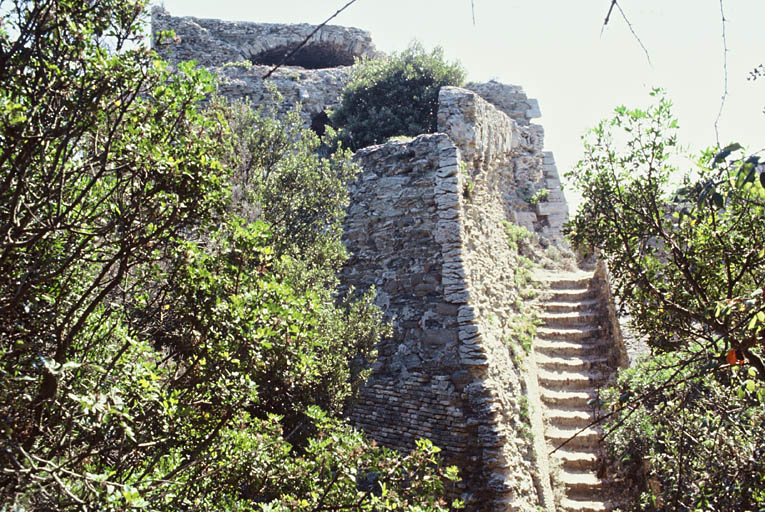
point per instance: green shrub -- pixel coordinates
(396, 95)
(539, 197)
(690, 436)
(171, 337)
(517, 235)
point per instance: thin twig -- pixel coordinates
(608, 17)
(472, 8)
(725, 73)
(633, 32)
(298, 47)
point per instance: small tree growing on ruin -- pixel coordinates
(395, 95)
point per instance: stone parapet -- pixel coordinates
(214, 42)
(510, 99)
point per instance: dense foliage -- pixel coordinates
(168, 340)
(394, 95)
(687, 260)
(685, 441)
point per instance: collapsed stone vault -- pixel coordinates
(437, 255)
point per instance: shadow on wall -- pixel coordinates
(313, 56)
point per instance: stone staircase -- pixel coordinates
(572, 359)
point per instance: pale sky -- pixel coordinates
(554, 50)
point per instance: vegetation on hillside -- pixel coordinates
(686, 257)
(170, 336)
(392, 96)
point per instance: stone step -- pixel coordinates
(584, 505)
(562, 348)
(570, 379)
(570, 362)
(582, 294)
(575, 417)
(570, 306)
(569, 319)
(563, 280)
(577, 460)
(568, 399)
(581, 482)
(568, 333)
(589, 438)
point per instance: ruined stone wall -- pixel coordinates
(426, 227)
(393, 230)
(213, 42)
(535, 170)
(230, 50)
(510, 99)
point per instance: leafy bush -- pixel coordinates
(686, 259)
(392, 96)
(686, 440)
(517, 236)
(539, 197)
(161, 346)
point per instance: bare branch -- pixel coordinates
(608, 16)
(647, 56)
(725, 73)
(303, 43)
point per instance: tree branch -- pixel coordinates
(725, 74)
(629, 25)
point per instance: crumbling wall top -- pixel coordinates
(510, 99)
(214, 42)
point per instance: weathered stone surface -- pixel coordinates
(510, 99)
(526, 219)
(214, 42)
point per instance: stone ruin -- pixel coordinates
(426, 228)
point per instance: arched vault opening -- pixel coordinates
(311, 56)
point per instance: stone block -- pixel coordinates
(439, 337)
(447, 232)
(447, 200)
(526, 220)
(551, 207)
(448, 214)
(533, 111)
(469, 361)
(466, 313)
(468, 332)
(457, 297)
(447, 170)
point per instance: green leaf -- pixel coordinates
(704, 193)
(745, 175)
(727, 150)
